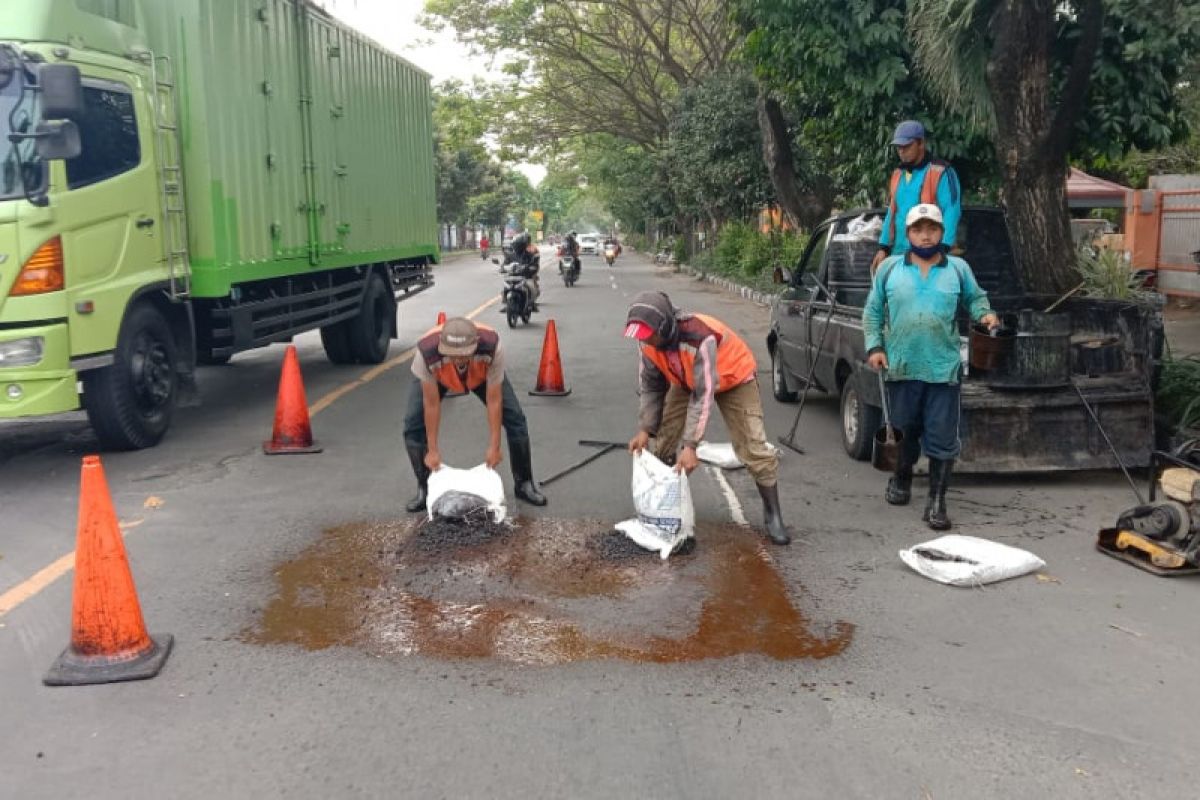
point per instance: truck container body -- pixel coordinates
(248, 170)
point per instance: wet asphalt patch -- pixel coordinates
(538, 591)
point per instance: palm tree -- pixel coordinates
(992, 60)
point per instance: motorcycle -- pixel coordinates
(517, 298)
(568, 267)
(610, 253)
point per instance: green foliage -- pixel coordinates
(1106, 273)
(715, 151)
(1178, 393)
(747, 255)
(681, 253)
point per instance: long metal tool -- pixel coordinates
(1137, 492)
(789, 441)
(605, 447)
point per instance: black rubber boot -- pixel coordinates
(899, 488)
(524, 486)
(935, 507)
(772, 516)
(417, 456)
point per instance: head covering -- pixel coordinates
(638, 330)
(654, 310)
(459, 337)
(923, 211)
(908, 132)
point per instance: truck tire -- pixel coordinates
(130, 403)
(370, 333)
(859, 422)
(336, 341)
(778, 384)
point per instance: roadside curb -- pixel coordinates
(745, 292)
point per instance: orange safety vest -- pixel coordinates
(929, 186)
(735, 362)
(443, 369)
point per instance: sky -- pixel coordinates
(393, 23)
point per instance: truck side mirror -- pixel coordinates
(57, 140)
(62, 91)
(781, 275)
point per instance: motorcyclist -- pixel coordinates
(570, 247)
(526, 262)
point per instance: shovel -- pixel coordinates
(885, 452)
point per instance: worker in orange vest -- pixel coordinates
(690, 363)
(461, 356)
(920, 179)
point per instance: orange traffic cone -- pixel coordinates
(550, 375)
(109, 642)
(292, 432)
(441, 318)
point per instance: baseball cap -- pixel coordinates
(459, 337)
(908, 132)
(923, 211)
(638, 330)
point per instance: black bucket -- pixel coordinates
(885, 451)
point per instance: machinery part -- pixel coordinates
(1146, 554)
(1162, 521)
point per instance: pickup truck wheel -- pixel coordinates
(778, 384)
(859, 422)
(336, 341)
(370, 333)
(130, 403)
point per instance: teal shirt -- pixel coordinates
(913, 318)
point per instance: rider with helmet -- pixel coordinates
(527, 263)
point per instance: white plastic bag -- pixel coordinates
(969, 561)
(481, 482)
(663, 500)
(721, 454)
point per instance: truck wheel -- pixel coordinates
(130, 402)
(371, 331)
(778, 384)
(859, 422)
(336, 341)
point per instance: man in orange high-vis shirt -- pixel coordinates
(461, 357)
(691, 363)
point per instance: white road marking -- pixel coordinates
(731, 499)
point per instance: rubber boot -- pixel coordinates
(524, 486)
(772, 516)
(417, 456)
(899, 488)
(935, 507)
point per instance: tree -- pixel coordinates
(1049, 80)
(715, 149)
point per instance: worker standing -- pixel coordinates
(689, 363)
(920, 178)
(916, 296)
(461, 356)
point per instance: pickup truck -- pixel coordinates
(1004, 429)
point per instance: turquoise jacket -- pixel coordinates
(913, 318)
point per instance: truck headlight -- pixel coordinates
(22, 352)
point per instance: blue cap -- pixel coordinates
(908, 132)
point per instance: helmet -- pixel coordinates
(573, 234)
(521, 242)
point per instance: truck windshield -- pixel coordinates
(20, 167)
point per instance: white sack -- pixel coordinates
(664, 504)
(969, 561)
(721, 454)
(480, 481)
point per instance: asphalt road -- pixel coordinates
(323, 651)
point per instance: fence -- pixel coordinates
(1162, 232)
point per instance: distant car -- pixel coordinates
(588, 244)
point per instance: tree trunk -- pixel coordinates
(803, 209)
(1033, 137)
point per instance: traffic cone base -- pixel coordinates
(292, 432)
(550, 375)
(73, 669)
(108, 635)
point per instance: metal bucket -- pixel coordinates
(1041, 353)
(885, 449)
(990, 351)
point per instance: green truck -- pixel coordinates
(181, 180)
